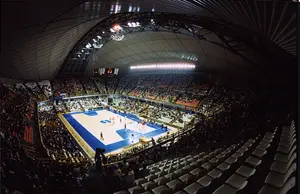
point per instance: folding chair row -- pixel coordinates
(182, 177)
(239, 179)
(217, 176)
(190, 168)
(280, 178)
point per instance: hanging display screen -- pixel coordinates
(106, 71)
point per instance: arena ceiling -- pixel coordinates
(159, 47)
(38, 42)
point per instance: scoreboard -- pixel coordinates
(106, 71)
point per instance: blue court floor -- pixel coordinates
(125, 137)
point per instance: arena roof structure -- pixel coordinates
(48, 39)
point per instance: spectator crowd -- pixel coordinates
(19, 171)
(224, 117)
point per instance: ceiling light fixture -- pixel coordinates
(88, 45)
(165, 66)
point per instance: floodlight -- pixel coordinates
(152, 22)
(116, 8)
(116, 27)
(97, 45)
(88, 45)
(165, 66)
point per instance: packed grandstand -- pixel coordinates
(221, 144)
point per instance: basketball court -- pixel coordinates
(111, 130)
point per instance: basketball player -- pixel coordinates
(132, 137)
(101, 136)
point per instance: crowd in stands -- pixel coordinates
(89, 86)
(131, 105)
(89, 103)
(182, 89)
(123, 82)
(45, 106)
(60, 106)
(76, 88)
(58, 142)
(46, 88)
(153, 111)
(73, 105)
(19, 172)
(69, 87)
(194, 93)
(133, 86)
(35, 91)
(59, 87)
(76, 104)
(223, 98)
(178, 88)
(181, 81)
(112, 84)
(163, 113)
(225, 116)
(100, 84)
(126, 84)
